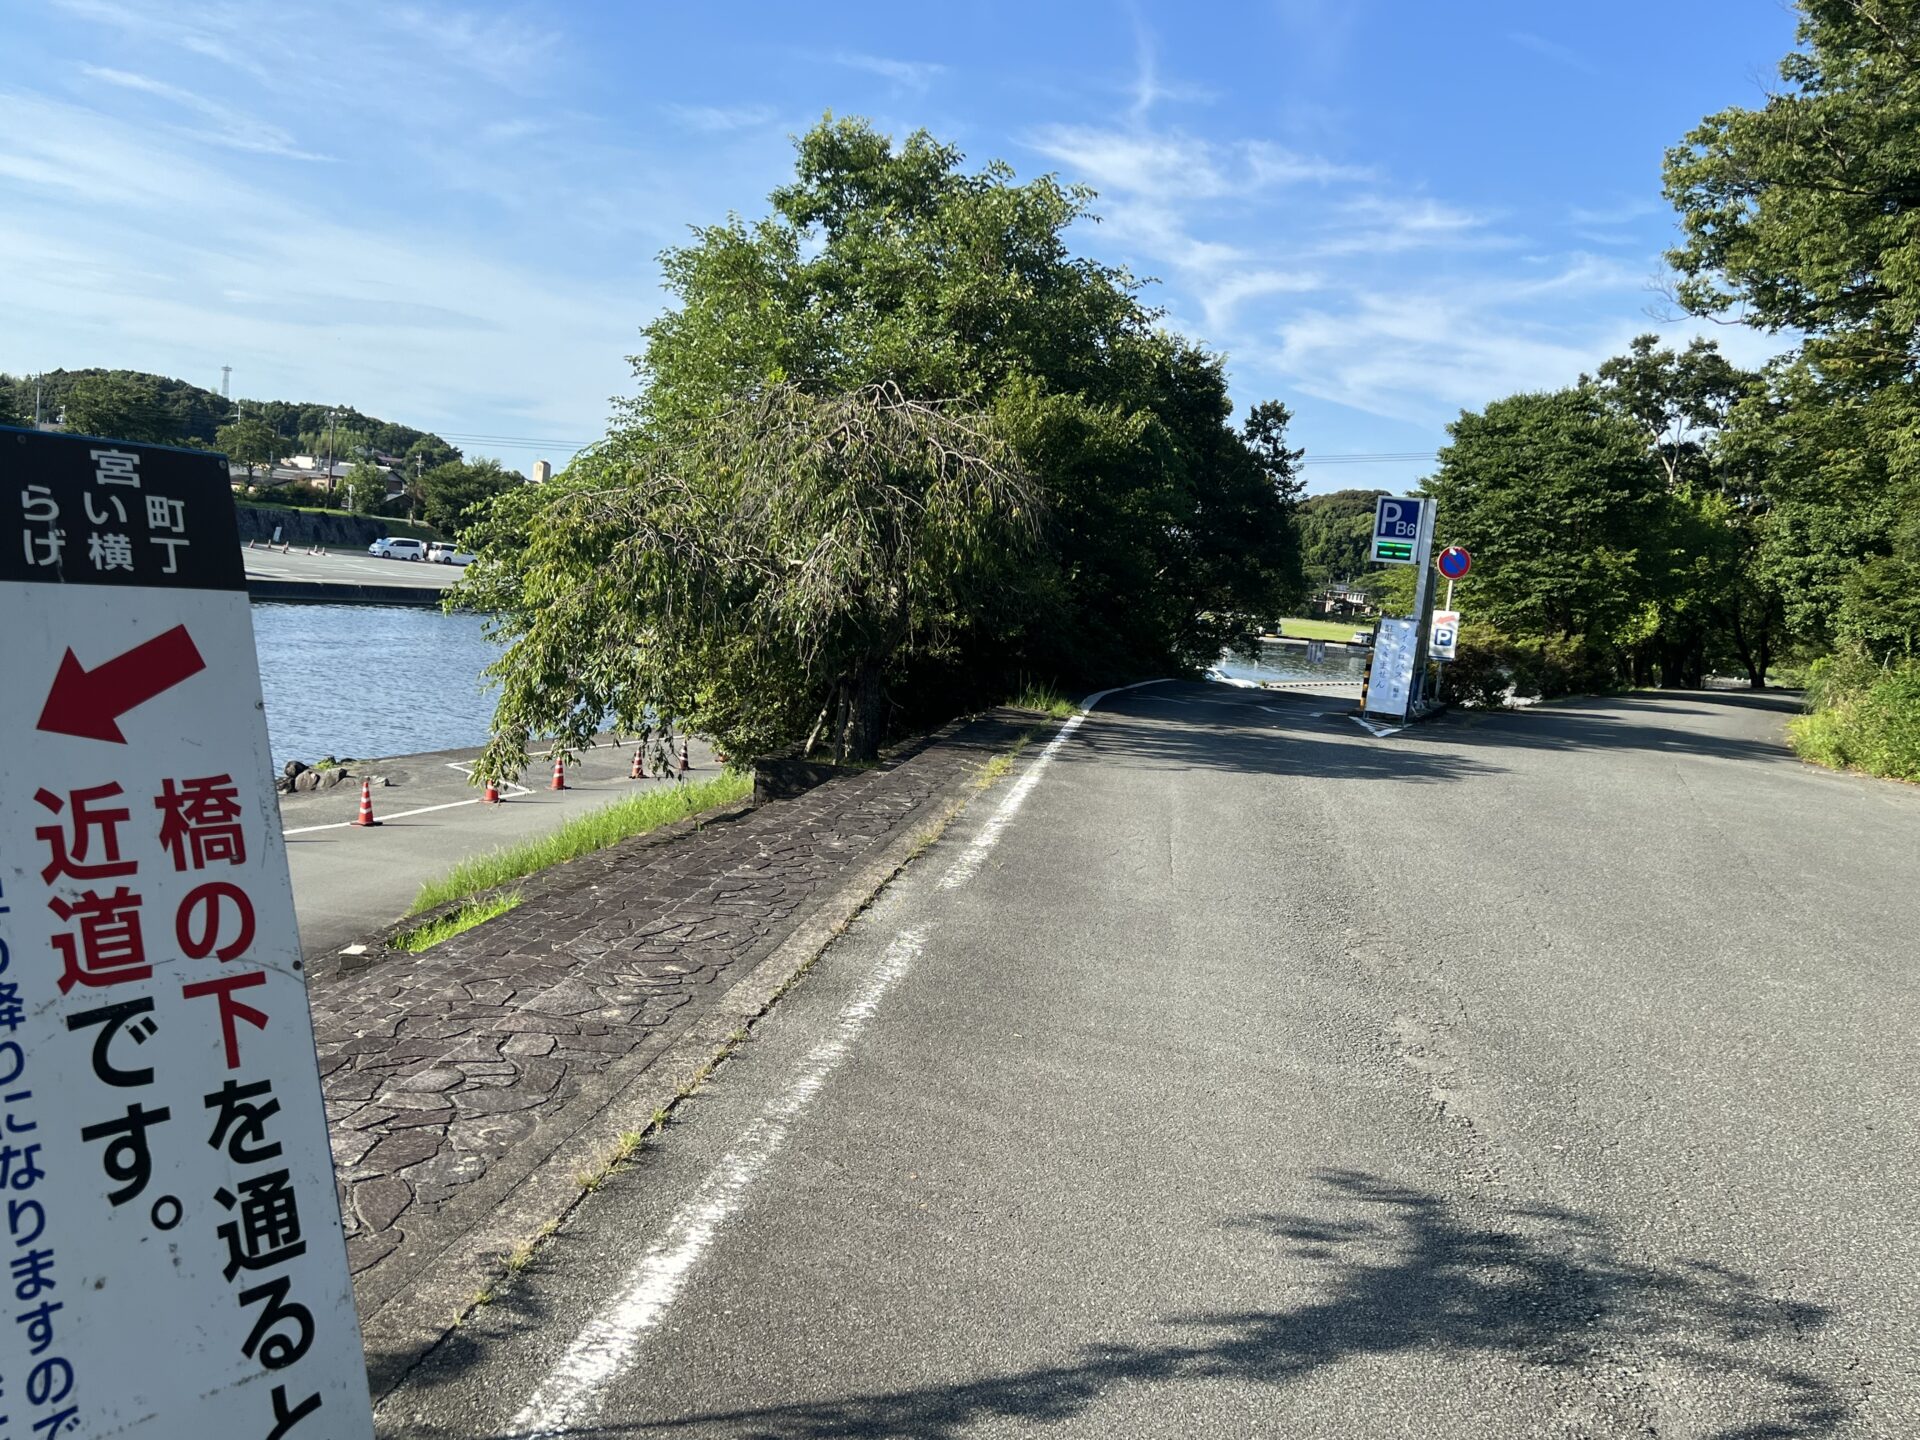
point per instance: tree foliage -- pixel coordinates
(887, 270)
(250, 441)
(760, 570)
(365, 488)
(1805, 214)
(1336, 534)
(121, 406)
(454, 493)
(1556, 496)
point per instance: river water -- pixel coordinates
(1272, 660)
(371, 680)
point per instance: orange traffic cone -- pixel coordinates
(684, 766)
(559, 774)
(491, 796)
(366, 805)
(639, 770)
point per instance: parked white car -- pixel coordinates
(444, 552)
(389, 548)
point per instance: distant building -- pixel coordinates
(542, 472)
(1340, 598)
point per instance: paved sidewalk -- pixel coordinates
(454, 1076)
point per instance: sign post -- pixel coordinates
(174, 1241)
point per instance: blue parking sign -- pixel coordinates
(1396, 529)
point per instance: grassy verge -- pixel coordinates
(1045, 699)
(1863, 717)
(582, 835)
(1323, 629)
(474, 912)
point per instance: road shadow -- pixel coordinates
(1220, 728)
(1403, 1271)
(1248, 732)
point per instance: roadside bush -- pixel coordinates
(1563, 666)
(1862, 716)
(1482, 669)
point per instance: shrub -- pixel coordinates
(1862, 716)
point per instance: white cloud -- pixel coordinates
(124, 249)
(719, 119)
(1553, 50)
(1170, 165)
(231, 128)
(913, 75)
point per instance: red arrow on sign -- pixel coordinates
(87, 703)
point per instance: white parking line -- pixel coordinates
(465, 767)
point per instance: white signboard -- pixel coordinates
(1445, 638)
(175, 1262)
(1395, 645)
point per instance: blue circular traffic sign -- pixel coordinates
(1455, 562)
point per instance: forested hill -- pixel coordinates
(134, 405)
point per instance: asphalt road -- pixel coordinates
(347, 567)
(1535, 1075)
(349, 882)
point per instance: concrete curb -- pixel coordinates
(400, 1328)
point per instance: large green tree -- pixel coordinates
(452, 494)
(1712, 593)
(759, 572)
(1557, 497)
(1804, 215)
(250, 441)
(1164, 532)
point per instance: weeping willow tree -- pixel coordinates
(760, 572)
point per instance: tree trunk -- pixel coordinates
(865, 713)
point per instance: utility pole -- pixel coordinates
(37, 419)
(330, 415)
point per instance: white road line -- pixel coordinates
(971, 858)
(567, 1397)
(465, 767)
(603, 1349)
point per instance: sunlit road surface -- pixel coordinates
(1246, 1075)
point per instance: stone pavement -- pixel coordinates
(453, 1075)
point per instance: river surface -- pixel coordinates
(374, 680)
(1274, 661)
(371, 680)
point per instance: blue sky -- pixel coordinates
(449, 216)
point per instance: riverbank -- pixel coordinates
(350, 882)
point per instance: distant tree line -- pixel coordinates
(441, 488)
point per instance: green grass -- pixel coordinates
(1045, 699)
(1323, 629)
(474, 912)
(582, 835)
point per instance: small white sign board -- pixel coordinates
(175, 1259)
(1445, 639)
(1395, 644)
